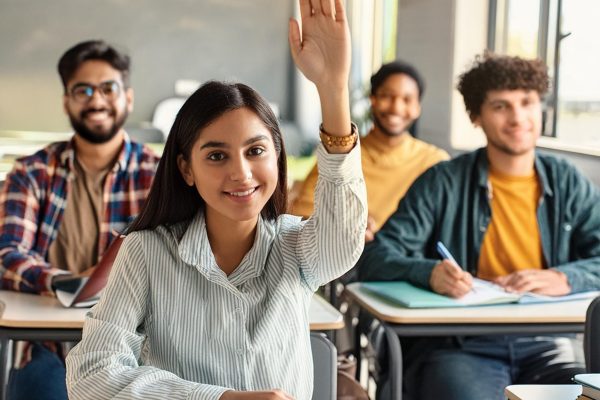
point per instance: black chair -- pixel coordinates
(384, 355)
(591, 337)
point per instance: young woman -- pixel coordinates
(209, 295)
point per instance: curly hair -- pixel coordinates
(498, 72)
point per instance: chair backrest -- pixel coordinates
(591, 337)
(145, 135)
(165, 113)
(325, 367)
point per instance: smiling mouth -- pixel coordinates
(243, 193)
(97, 115)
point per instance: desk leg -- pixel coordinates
(5, 364)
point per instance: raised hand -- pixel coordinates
(321, 50)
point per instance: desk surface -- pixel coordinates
(568, 312)
(20, 310)
(546, 392)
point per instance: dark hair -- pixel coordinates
(171, 200)
(397, 67)
(92, 50)
(499, 72)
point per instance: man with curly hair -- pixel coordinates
(509, 214)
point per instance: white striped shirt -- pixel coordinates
(171, 324)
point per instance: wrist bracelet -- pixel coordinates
(339, 141)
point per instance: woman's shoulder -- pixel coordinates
(161, 237)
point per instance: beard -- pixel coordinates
(386, 131)
(97, 136)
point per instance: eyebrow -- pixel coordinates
(225, 145)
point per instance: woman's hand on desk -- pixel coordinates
(449, 279)
(549, 282)
(266, 395)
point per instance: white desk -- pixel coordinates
(398, 321)
(560, 317)
(545, 392)
(20, 310)
(32, 317)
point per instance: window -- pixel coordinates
(563, 34)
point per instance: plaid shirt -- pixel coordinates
(33, 200)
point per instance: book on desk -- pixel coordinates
(85, 291)
(590, 385)
(482, 293)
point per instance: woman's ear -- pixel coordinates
(186, 171)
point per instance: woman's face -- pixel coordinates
(233, 165)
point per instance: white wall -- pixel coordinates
(243, 40)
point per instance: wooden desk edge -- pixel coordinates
(4, 323)
(326, 326)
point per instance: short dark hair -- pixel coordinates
(170, 199)
(396, 67)
(72, 59)
(499, 72)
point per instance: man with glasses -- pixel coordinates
(391, 158)
(61, 207)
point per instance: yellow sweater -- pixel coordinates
(388, 171)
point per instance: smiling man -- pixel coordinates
(391, 158)
(60, 207)
(507, 213)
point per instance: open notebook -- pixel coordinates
(85, 291)
(482, 293)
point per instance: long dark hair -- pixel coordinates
(171, 200)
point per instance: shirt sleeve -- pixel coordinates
(23, 268)
(105, 363)
(398, 251)
(332, 238)
(583, 228)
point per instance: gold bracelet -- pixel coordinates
(339, 141)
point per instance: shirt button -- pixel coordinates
(482, 228)
(568, 227)
(240, 352)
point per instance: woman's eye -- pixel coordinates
(216, 156)
(256, 151)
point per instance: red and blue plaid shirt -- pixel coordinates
(33, 200)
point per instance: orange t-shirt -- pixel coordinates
(512, 241)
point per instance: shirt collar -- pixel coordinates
(483, 168)
(67, 157)
(194, 249)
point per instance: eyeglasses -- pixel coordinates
(83, 92)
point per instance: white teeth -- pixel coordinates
(96, 116)
(240, 194)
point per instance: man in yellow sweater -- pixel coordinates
(391, 158)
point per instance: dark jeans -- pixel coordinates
(473, 368)
(42, 379)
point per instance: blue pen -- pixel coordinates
(444, 252)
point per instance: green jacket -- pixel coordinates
(450, 203)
